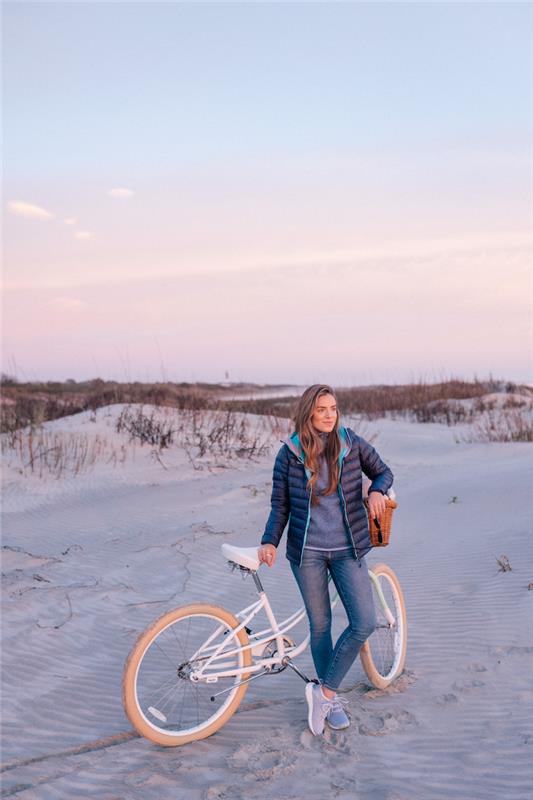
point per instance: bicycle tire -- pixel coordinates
(383, 653)
(137, 710)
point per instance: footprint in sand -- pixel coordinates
(475, 666)
(466, 686)
(447, 699)
(401, 684)
(459, 688)
(390, 722)
(266, 760)
(340, 740)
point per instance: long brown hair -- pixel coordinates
(311, 441)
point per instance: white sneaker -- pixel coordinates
(319, 706)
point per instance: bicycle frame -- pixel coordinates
(213, 653)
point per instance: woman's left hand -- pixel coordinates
(376, 504)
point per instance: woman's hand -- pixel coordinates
(376, 504)
(267, 554)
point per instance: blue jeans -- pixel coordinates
(350, 576)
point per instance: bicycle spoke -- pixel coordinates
(178, 641)
(187, 639)
(164, 692)
(160, 704)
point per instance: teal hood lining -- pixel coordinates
(294, 445)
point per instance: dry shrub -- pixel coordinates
(200, 432)
(502, 425)
(503, 564)
(220, 433)
(147, 429)
(57, 454)
(24, 404)
(420, 400)
(433, 402)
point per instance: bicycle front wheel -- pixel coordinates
(383, 653)
(161, 700)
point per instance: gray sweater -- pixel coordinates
(326, 530)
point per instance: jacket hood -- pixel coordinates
(294, 445)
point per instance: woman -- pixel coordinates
(317, 488)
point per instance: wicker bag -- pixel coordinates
(380, 529)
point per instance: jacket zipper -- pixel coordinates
(346, 512)
(308, 518)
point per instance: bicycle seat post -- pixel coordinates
(257, 582)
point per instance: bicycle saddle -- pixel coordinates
(245, 556)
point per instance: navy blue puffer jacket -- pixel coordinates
(291, 501)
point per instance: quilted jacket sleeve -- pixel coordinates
(374, 467)
(280, 505)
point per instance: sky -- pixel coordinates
(268, 192)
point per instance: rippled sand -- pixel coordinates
(89, 562)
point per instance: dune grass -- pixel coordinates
(33, 403)
(213, 422)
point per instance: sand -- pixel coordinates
(89, 561)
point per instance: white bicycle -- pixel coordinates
(188, 672)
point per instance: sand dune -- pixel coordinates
(89, 561)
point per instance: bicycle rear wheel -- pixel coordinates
(160, 699)
(383, 653)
